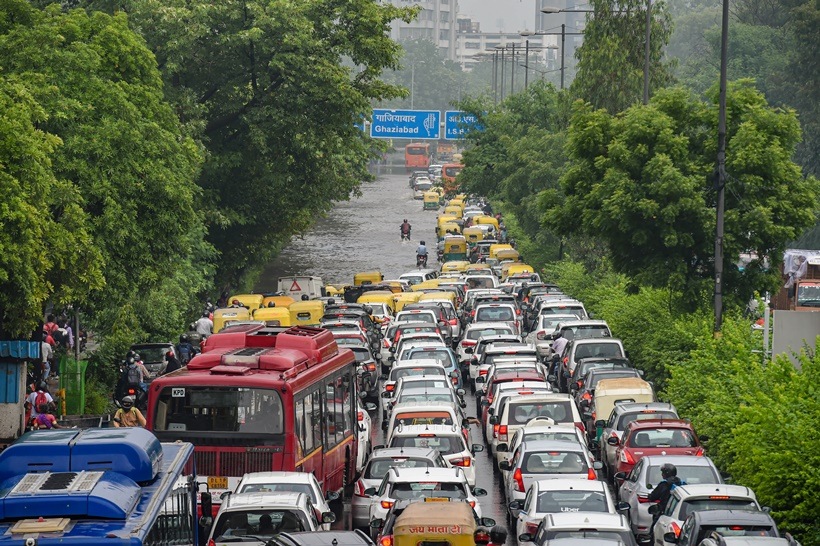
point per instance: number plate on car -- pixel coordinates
(217, 482)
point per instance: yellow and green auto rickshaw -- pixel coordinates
(405, 298)
(441, 221)
(225, 316)
(379, 296)
(496, 247)
(518, 268)
(273, 316)
(449, 229)
(509, 254)
(454, 266)
(278, 301)
(306, 313)
(334, 291)
(438, 521)
(424, 285)
(477, 267)
(251, 301)
(430, 200)
(454, 210)
(367, 277)
(455, 248)
(457, 200)
(477, 220)
(473, 235)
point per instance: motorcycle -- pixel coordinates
(405, 236)
(421, 260)
(124, 388)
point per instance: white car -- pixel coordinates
(450, 440)
(502, 395)
(365, 428)
(540, 335)
(293, 482)
(419, 483)
(483, 343)
(498, 312)
(567, 525)
(473, 332)
(686, 499)
(254, 518)
(558, 496)
(539, 429)
(429, 368)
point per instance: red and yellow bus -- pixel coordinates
(449, 172)
(262, 399)
(417, 156)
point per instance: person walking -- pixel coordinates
(46, 355)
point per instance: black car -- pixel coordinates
(585, 365)
(701, 524)
(153, 356)
(322, 538)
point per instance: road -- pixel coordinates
(361, 235)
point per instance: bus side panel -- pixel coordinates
(339, 462)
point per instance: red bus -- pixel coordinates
(417, 156)
(449, 172)
(262, 399)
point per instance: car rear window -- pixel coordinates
(662, 437)
(604, 350)
(697, 505)
(522, 412)
(425, 397)
(495, 314)
(377, 468)
(417, 317)
(481, 332)
(739, 530)
(480, 282)
(420, 490)
(585, 332)
(280, 488)
(563, 310)
(420, 370)
(692, 475)
(431, 354)
(563, 436)
(553, 502)
(446, 445)
(554, 462)
(627, 418)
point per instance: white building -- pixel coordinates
(473, 46)
(436, 22)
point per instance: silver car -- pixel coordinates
(646, 474)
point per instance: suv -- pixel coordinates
(520, 410)
(498, 312)
(376, 469)
(154, 357)
(585, 348)
(700, 525)
(689, 498)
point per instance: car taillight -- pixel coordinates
(482, 372)
(468, 343)
(389, 388)
(495, 431)
(587, 395)
(472, 313)
(591, 475)
(462, 461)
(541, 336)
(643, 499)
(211, 542)
(518, 480)
(131, 392)
(699, 452)
(626, 457)
(360, 416)
(518, 311)
(371, 367)
(454, 380)
(502, 433)
(675, 528)
(386, 540)
(472, 503)
(385, 344)
(580, 426)
(531, 528)
(453, 321)
(359, 489)
(387, 504)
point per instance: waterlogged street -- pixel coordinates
(363, 234)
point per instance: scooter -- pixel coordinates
(421, 260)
(124, 388)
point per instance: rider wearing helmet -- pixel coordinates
(405, 228)
(663, 490)
(421, 250)
(128, 415)
(498, 536)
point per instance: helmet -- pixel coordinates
(205, 314)
(331, 301)
(668, 470)
(368, 309)
(42, 386)
(498, 534)
(305, 297)
(127, 402)
(271, 304)
(130, 354)
(422, 242)
(183, 338)
(137, 356)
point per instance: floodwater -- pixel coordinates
(363, 235)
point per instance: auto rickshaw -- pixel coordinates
(451, 228)
(496, 247)
(405, 298)
(455, 265)
(508, 254)
(486, 220)
(379, 296)
(225, 315)
(518, 268)
(278, 301)
(251, 301)
(425, 285)
(394, 286)
(306, 313)
(334, 291)
(609, 392)
(455, 210)
(473, 235)
(455, 248)
(477, 267)
(367, 277)
(440, 295)
(273, 316)
(430, 200)
(444, 219)
(430, 523)
(457, 200)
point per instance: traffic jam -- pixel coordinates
(478, 404)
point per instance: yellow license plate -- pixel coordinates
(436, 499)
(217, 482)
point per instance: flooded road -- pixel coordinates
(361, 235)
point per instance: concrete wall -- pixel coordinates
(12, 415)
(793, 330)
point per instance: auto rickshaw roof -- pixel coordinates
(431, 514)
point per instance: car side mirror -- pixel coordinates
(468, 350)
(486, 522)
(613, 441)
(654, 509)
(597, 465)
(378, 356)
(331, 496)
(460, 392)
(383, 377)
(502, 448)
(385, 394)
(551, 378)
(376, 523)
(328, 517)
(515, 505)
(620, 476)
(640, 372)
(493, 419)
(624, 507)
(370, 492)
(504, 465)
(477, 448)
(370, 406)
(206, 502)
(479, 492)
(206, 521)
(525, 537)
(670, 537)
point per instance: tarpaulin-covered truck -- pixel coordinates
(801, 281)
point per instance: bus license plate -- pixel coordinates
(217, 482)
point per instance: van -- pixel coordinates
(419, 276)
(297, 286)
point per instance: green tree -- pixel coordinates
(641, 181)
(273, 88)
(611, 58)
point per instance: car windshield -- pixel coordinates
(739, 530)
(627, 418)
(279, 488)
(588, 350)
(585, 332)
(571, 501)
(239, 410)
(418, 370)
(554, 462)
(377, 468)
(522, 412)
(446, 445)
(234, 526)
(477, 333)
(420, 490)
(662, 437)
(495, 314)
(696, 505)
(442, 355)
(692, 475)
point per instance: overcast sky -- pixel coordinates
(500, 15)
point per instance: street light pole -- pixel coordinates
(512, 71)
(646, 52)
(526, 63)
(721, 169)
(495, 77)
(563, 44)
(412, 84)
(503, 79)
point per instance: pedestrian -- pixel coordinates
(69, 333)
(50, 326)
(37, 399)
(46, 355)
(44, 419)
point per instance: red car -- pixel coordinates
(655, 437)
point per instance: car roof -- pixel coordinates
(583, 541)
(551, 445)
(279, 476)
(659, 423)
(590, 340)
(564, 484)
(735, 517)
(415, 430)
(283, 500)
(416, 362)
(586, 322)
(322, 538)
(428, 390)
(707, 489)
(599, 520)
(394, 452)
(678, 460)
(430, 473)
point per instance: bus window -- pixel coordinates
(220, 409)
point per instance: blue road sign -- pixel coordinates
(418, 124)
(458, 123)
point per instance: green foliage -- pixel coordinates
(273, 88)
(640, 181)
(98, 399)
(612, 56)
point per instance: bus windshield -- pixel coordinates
(240, 410)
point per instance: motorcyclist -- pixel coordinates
(498, 536)
(128, 415)
(405, 229)
(204, 326)
(663, 490)
(185, 350)
(135, 372)
(421, 253)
